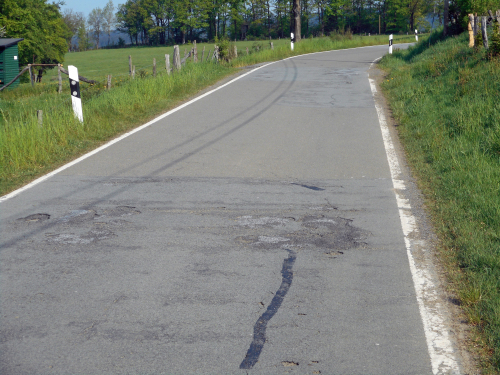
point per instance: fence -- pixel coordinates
(476, 21)
(95, 87)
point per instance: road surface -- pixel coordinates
(255, 230)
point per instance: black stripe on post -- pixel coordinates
(75, 88)
(390, 42)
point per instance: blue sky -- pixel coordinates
(85, 6)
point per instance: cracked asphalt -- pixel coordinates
(254, 231)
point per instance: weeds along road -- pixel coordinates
(256, 230)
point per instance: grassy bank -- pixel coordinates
(28, 150)
(446, 98)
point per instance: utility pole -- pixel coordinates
(379, 25)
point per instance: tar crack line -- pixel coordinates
(259, 329)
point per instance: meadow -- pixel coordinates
(28, 150)
(445, 97)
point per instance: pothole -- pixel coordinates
(35, 218)
(330, 234)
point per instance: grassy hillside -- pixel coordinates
(28, 150)
(446, 98)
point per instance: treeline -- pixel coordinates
(49, 32)
(169, 21)
(175, 21)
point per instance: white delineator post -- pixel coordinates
(416, 35)
(390, 44)
(292, 40)
(74, 84)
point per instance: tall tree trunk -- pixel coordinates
(445, 17)
(295, 20)
(268, 18)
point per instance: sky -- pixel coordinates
(85, 6)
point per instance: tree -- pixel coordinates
(42, 27)
(96, 23)
(83, 38)
(109, 19)
(73, 20)
(189, 15)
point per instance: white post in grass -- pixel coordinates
(74, 84)
(416, 35)
(390, 44)
(292, 40)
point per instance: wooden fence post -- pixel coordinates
(39, 115)
(471, 30)
(154, 67)
(130, 65)
(247, 51)
(31, 76)
(109, 81)
(484, 31)
(203, 54)
(235, 51)
(177, 58)
(272, 46)
(476, 21)
(195, 52)
(167, 63)
(59, 77)
(133, 71)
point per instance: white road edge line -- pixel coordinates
(433, 313)
(123, 136)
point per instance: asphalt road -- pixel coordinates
(254, 231)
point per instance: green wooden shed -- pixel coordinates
(9, 61)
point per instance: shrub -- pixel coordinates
(256, 47)
(223, 45)
(495, 41)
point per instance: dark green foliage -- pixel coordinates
(224, 53)
(42, 27)
(495, 40)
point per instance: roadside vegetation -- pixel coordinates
(445, 97)
(28, 150)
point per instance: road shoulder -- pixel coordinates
(426, 253)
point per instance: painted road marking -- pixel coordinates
(432, 311)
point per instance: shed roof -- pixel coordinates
(7, 42)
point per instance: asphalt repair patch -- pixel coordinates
(330, 234)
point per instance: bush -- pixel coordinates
(495, 41)
(223, 44)
(256, 47)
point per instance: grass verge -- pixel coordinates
(446, 98)
(28, 150)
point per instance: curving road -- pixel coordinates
(255, 230)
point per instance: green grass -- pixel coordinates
(97, 64)
(28, 150)
(446, 98)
